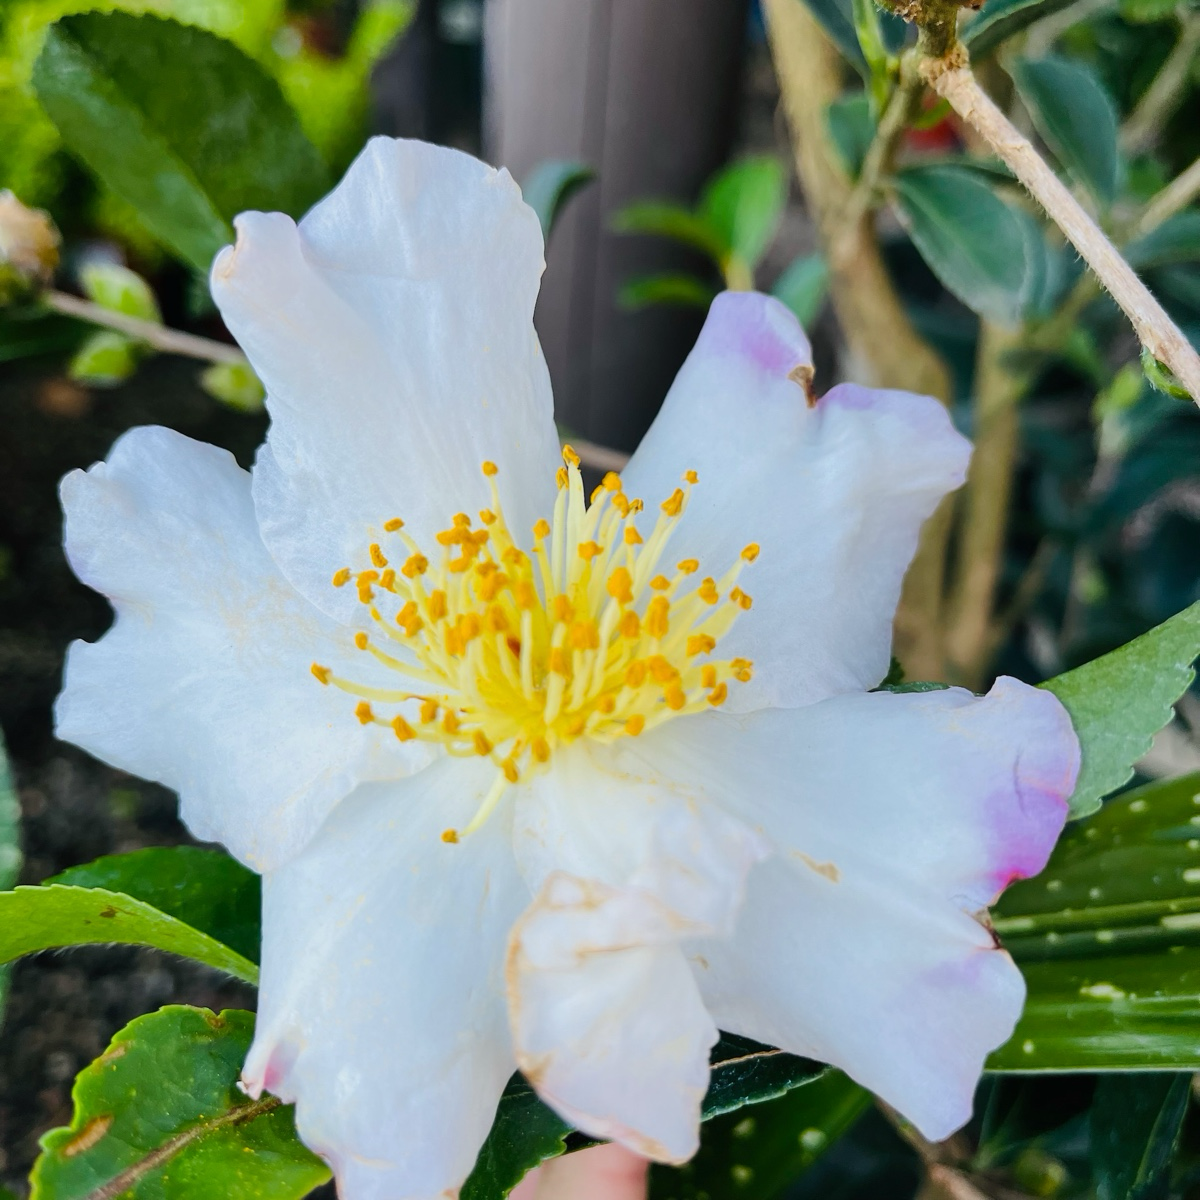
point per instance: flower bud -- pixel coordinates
(28, 249)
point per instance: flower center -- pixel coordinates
(508, 654)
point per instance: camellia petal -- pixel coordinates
(606, 1017)
(893, 817)
(832, 496)
(393, 329)
(203, 682)
(382, 1008)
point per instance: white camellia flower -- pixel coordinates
(532, 780)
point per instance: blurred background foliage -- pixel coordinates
(913, 259)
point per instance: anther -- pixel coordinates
(362, 710)
(673, 504)
(414, 565)
(657, 619)
(750, 552)
(393, 524)
(360, 640)
(700, 643)
(589, 550)
(481, 743)
(541, 529)
(674, 696)
(403, 730)
(611, 482)
(707, 591)
(510, 770)
(489, 468)
(450, 835)
(660, 583)
(632, 537)
(718, 694)
(540, 749)
(631, 625)
(740, 598)
(429, 711)
(342, 577)
(635, 724)
(689, 566)
(377, 555)
(321, 673)
(570, 457)
(708, 676)
(691, 477)
(620, 586)
(487, 516)
(450, 721)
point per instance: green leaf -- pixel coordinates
(52, 917)
(1135, 1125)
(527, 1133)
(760, 1152)
(852, 128)
(1176, 240)
(549, 186)
(205, 889)
(673, 221)
(803, 286)
(1120, 701)
(178, 123)
(10, 846)
(1108, 938)
(1076, 116)
(235, 385)
(159, 1115)
(999, 20)
(973, 241)
(105, 359)
(743, 204)
(28, 334)
(120, 290)
(668, 288)
(836, 17)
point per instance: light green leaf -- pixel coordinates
(120, 290)
(177, 122)
(852, 129)
(998, 20)
(526, 1133)
(10, 846)
(803, 287)
(159, 1116)
(1120, 701)
(1108, 938)
(1135, 1125)
(1076, 116)
(105, 359)
(670, 287)
(1176, 240)
(55, 916)
(235, 385)
(973, 241)
(760, 1151)
(672, 221)
(205, 889)
(549, 186)
(743, 205)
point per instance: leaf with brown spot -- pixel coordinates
(159, 1114)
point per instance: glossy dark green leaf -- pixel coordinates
(549, 186)
(10, 846)
(671, 287)
(35, 333)
(1135, 1125)
(973, 241)
(1076, 116)
(1120, 701)
(205, 889)
(177, 122)
(759, 1151)
(836, 17)
(660, 219)
(803, 287)
(1176, 240)
(743, 205)
(527, 1133)
(1108, 938)
(52, 917)
(852, 128)
(998, 20)
(159, 1116)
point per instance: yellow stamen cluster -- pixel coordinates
(506, 654)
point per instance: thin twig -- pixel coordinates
(1164, 94)
(170, 341)
(1175, 197)
(1155, 329)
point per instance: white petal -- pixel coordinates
(203, 682)
(893, 817)
(608, 1022)
(834, 495)
(606, 1017)
(394, 332)
(382, 1009)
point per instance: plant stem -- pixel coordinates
(985, 504)
(599, 458)
(1164, 94)
(877, 330)
(1155, 329)
(1175, 197)
(170, 341)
